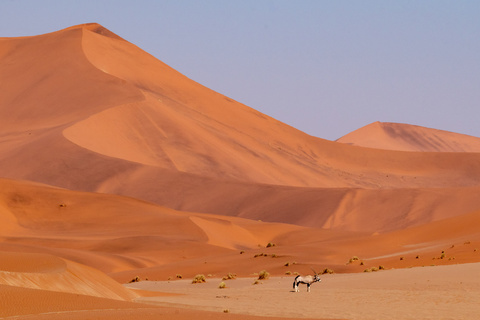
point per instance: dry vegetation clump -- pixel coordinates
(270, 245)
(354, 258)
(327, 270)
(136, 279)
(179, 276)
(230, 276)
(199, 278)
(263, 275)
(374, 269)
(222, 285)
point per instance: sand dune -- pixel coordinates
(44, 272)
(115, 166)
(404, 137)
(125, 237)
(127, 111)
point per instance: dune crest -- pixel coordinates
(404, 137)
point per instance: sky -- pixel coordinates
(324, 67)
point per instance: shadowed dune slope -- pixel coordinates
(404, 137)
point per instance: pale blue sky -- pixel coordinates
(324, 67)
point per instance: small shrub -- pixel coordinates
(295, 273)
(274, 255)
(222, 285)
(229, 276)
(263, 275)
(179, 276)
(401, 258)
(327, 270)
(242, 252)
(256, 282)
(199, 278)
(354, 258)
(270, 245)
(226, 311)
(288, 273)
(381, 268)
(374, 269)
(136, 279)
(367, 270)
(417, 257)
(287, 264)
(362, 263)
(443, 255)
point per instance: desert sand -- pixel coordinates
(448, 292)
(114, 167)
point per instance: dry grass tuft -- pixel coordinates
(327, 270)
(230, 276)
(263, 275)
(199, 278)
(354, 258)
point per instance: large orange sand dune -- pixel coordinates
(113, 165)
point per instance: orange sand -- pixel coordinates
(113, 165)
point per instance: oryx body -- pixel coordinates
(308, 280)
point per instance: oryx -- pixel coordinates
(308, 280)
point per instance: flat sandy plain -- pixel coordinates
(436, 292)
